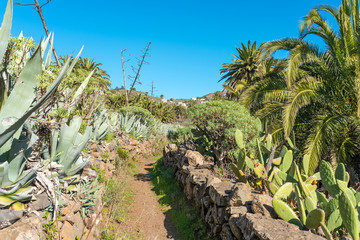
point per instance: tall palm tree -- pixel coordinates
(320, 90)
(245, 69)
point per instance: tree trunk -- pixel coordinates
(38, 9)
(140, 65)
(123, 68)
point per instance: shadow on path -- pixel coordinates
(144, 176)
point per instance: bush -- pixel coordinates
(142, 114)
(218, 121)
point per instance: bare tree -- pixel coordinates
(123, 68)
(38, 8)
(140, 64)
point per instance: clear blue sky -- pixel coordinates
(190, 39)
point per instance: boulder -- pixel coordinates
(226, 233)
(219, 192)
(256, 226)
(28, 227)
(263, 204)
(8, 217)
(42, 201)
(240, 195)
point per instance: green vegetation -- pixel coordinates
(218, 120)
(144, 115)
(303, 94)
(182, 214)
(164, 112)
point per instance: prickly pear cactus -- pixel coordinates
(314, 218)
(286, 213)
(349, 215)
(328, 179)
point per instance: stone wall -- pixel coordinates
(231, 209)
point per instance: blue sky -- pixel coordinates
(190, 39)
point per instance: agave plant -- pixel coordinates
(67, 145)
(14, 181)
(16, 107)
(133, 125)
(101, 125)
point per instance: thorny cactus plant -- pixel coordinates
(296, 202)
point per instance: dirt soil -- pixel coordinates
(146, 217)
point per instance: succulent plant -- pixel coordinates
(16, 107)
(67, 145)
(101, 125)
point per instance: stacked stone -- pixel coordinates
(231, 209)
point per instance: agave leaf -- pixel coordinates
(80, 90)
(23, 94)
(10, 131)
(73, 155)
(44, 44)
(48, 57)
(77, 166)
(5, 201)
(67, 137)
(74, 62)
(6, 28)
(9, 189)
(4, 176)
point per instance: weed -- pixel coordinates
(105, 155)
(131, 168)
(100, 173)
(86, 192)
(109, 136)
(123, 153)
(116, 197)
(182, 214)
(50, 228)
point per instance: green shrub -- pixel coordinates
(141, 113)
(123, 153)
(218, 121)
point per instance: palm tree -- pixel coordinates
(320, 90)
(100, 78)
(245, 69)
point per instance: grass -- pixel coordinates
(117, 199)
(172, 200)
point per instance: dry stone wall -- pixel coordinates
(231, 209)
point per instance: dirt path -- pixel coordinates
(146, 217)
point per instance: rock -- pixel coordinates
(72, 228)
(8, 217)
(216, 230)
(255, 226)
(219, 215)
(229, 211)
(234, 228)
(42, 201)
(194, 158)
(219, 193)
(240, 195)
(96, 154)
(226, 233)
(66, 231)
(88, 172)
(263, 204)
(28, 227)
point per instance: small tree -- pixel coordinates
(218, 121)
